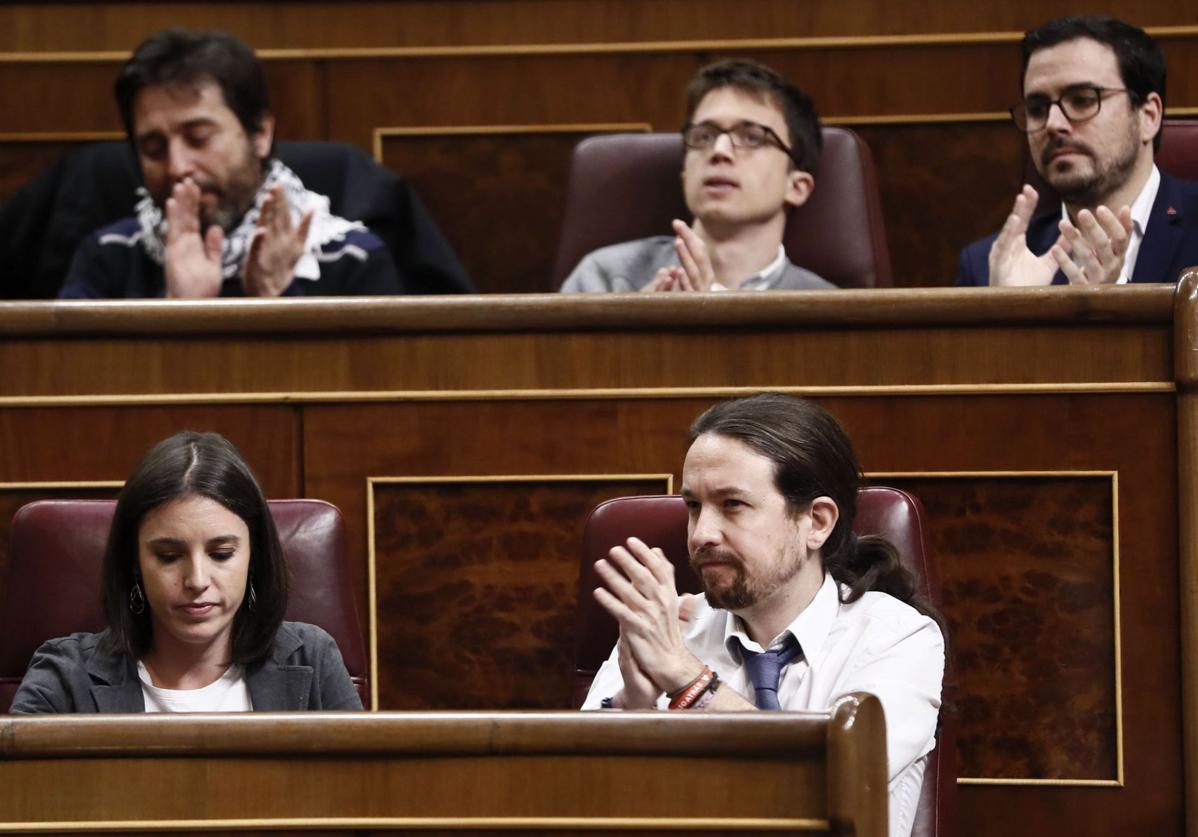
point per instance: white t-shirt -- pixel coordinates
(228, 694)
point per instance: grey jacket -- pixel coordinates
(633, 264)
(77, 674)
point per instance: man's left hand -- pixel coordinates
(639, 592)
(276, 248)
(697, 274)
(1092, 252)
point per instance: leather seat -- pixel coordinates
(626, 186)
(53, 584)
(662, 521)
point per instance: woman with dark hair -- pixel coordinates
(194, 588)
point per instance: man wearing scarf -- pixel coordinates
(218, 215)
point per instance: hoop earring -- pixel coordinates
(137, 602)
(253, 597)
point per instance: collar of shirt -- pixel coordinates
(1141, 210)
(810, 628)
(762, 280)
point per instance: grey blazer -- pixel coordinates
(633, 264)
(76, 673)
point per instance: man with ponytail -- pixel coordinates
(797, 611)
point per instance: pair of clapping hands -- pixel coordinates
(695, 272)
(1088, 253)
(639, 593)
(193, 264)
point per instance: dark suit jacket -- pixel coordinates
(1170, 242)
(77, 674)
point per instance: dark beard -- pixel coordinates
(736, 596)
(1092, 191)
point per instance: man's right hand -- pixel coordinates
(1011, 262)
(192, 259)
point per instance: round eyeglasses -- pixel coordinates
(1077, 104)
(702, 136)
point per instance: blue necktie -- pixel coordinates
(765, 669)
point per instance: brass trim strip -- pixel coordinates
(343, 396)
(439, 479)
(371, 558)
(1059, 783)
(916, 40)
(1113, 476)
(35, 486)
(444, 823)
(1115, 547)
(60, 136)
(380, 134)
(372, 613)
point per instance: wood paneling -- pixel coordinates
(1028, 571)
(300, 24)
(561, 773)
(498, 196)
(942, 186)
(476, 586)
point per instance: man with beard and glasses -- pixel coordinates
(797, 610)
(1092, 108)
(218, 215)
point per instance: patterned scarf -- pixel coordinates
(325, 227)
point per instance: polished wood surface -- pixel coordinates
(567, 772)
(464, 440)
(1186, 363)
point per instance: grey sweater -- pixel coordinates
(633, 264)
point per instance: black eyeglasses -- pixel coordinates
(1077, 104)
(749, 135)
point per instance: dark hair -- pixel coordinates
(812, 458)
(182, 57)
(802, 122)
(204, 465)
(1141, 62)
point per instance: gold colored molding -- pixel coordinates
(371, 559)
(1114, 478)
(546, 824)
(917, 40)
(60, 136)
(353, 397)
(58, 484)
(381, 134)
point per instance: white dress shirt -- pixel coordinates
(876, 644)
(762, 280)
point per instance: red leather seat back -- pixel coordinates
(627, 186)
(53, 586)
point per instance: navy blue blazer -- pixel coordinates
(1170, 243)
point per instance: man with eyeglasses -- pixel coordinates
(1092, 108)
(752, 140)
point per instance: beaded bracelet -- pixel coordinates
(689, 694)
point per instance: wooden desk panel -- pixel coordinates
(951, 390)
(566, 772)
